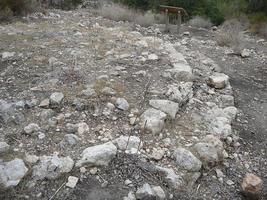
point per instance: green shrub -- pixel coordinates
(19, 7)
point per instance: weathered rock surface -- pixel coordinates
(122, 104)
(56, 99)
(153, 120)
(169, 107)
(208, 154)
(99, 155)
(252, 186)
(4, 147)
(186, 160)
(145, 192)
(174, 180)
(51, 167)
(128, 142)
(218, 80)
(12, 172)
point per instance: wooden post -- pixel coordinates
(179, 21)
(167, 21)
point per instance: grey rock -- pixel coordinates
(145, 192)
(56, 98)
(245, 53)
(159, 193)
(153, 120)
(99, 155)
(51, 167)
(130, 196)
(69, 139)
(169, 107)
(4, 147)
(44, 103)
(20, 104)
(7, 55)
(12, 172)
(173, 180)
(208, 154)
(218, 80)
(31, 129)
(108, 91)
(89, 92)
(127, 143)
(186, 160)
(31, 103)
(32, 159)
(46, 114)
(122, 104)
(180, 92)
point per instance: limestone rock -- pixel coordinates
(145, 192)
(169, 107)
(128, 143)
(72, 181)
(51, 167)
(4, 147)
(99, 155)
(159, 193)
(12, 172)
(56, 98)
(218, 80)
(186, 160)
(122, 104)
(173, 180)
(153, 120)
(31, 128)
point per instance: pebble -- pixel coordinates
(72, 181)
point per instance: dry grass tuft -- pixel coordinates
(118, 12)
(200, 22)
(229, 34)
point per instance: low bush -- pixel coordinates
(118, 12)
(229, 34)
(200, 22)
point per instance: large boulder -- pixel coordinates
(167, 106)
(12, 172)
(186, 160)
(99, 155)
(51, 167)
(153, 120)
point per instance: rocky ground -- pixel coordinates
(96, 109)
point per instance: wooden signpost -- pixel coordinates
(172, 10)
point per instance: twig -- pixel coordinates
(52, 197)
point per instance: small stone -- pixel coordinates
(32, 159)
(108, 91)
(186, 160)
(44, 103)
(219, 173)
(12, 172)
(158, 154)
(186, 33)
(245, 53)
(153, 57)
(41, 136)
(153, 120)
(169, 107)
(218, 80)
(252, 186)
(56, 98)
(89, 92)
(159, 193)
(93, 170)
(82, 128)
(31, 128)
(72, 181)
(4, 147)
(6, 55)
(99, 155)
(230, 182)
(145, 192)
(122, 104)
